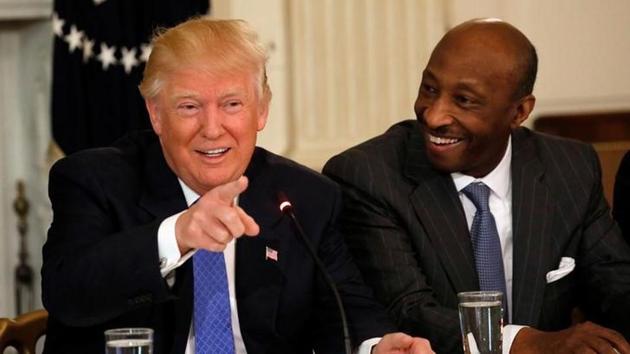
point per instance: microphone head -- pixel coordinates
(284, 203)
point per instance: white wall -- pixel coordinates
(341, 71)
(25, 62)
(583, 48)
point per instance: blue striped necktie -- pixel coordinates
(486, 243)
(212, 314)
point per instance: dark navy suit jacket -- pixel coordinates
(101, 267)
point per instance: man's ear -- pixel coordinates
(263, 114)
(523, 109)
(154, 115)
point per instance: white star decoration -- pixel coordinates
(146, 51)
(88, 49)
(57, 25)
(77, 39)
(74, 38)
(106, 56)
(129, 59)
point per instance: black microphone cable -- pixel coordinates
(287, 209)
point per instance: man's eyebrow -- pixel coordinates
(185, 94)
(230, 93)
(471, 86)
(426, 73)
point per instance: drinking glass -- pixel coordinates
(481, 321)
(129, 341)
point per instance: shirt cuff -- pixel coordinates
(509, 333)
(168, 250)
(366, 346)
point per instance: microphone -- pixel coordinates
(287, 209)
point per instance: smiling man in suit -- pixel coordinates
(144, 232)
(464, 199)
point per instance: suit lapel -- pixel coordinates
(439, 209)
(531, 224)
(259, 277)
(162, 195)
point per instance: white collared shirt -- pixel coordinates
(170, 259)
(499, 181)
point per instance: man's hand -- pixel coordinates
(399, 343)
(585, 337)
(213, 221)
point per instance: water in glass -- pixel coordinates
(481, 321)
(128, 346)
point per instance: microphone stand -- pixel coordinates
(287, 209)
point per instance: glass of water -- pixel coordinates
(481, 321)
(129, 341)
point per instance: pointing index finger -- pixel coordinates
(228, 192)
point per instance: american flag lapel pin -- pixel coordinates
(271, 254)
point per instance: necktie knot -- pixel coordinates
(479, 194)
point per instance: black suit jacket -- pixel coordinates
(101, 267)
(621, 198)
(406, 227)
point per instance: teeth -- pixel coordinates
(442, 141)
(214, 152)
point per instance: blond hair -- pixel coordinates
(221, 46)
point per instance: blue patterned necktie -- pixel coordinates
(486, 243)
(212, 319)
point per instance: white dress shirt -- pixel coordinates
(170, 259)
(499, 181)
